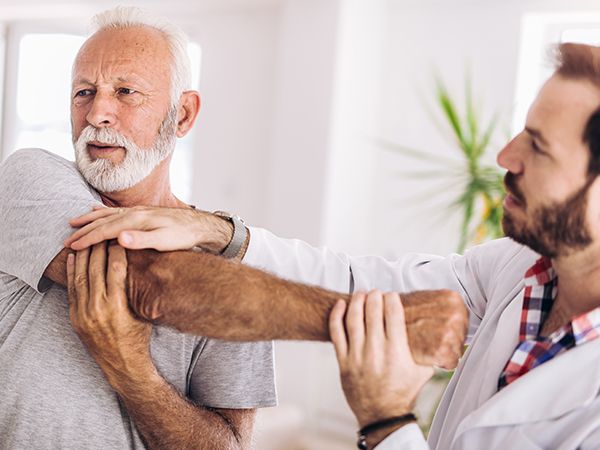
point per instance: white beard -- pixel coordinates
(105, 176)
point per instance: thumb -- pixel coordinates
(138, 240)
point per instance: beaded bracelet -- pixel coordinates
(375, 426)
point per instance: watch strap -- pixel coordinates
(240, 233)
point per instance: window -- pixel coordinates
(43, 92)
(538, 32)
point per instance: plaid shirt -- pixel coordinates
(540, 291)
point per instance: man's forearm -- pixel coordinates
(166, 420)
(207, 295)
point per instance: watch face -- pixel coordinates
(223, 214)
(228, 215)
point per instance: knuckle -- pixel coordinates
(453, 298)
(118, 267)
(80, 279)
(352, 327)
(344, 370)
(449, 337)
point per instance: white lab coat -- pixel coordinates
(555, 406)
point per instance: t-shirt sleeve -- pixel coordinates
(39, 193)
(235, 375)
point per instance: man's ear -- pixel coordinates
(189, 106)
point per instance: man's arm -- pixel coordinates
(120, 344)
(207, 295)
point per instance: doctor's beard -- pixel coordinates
(106, 176)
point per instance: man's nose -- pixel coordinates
(510, 156)
(103, 112)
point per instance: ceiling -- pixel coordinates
(39, 9)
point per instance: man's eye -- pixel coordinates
(83, 93)
(126, 91)
(536, 147)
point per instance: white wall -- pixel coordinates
(233, 154)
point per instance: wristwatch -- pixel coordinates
(240, 233)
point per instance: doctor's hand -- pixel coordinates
(100, 315)
(379, 375)
(163, 229)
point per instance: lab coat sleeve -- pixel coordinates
(592, 441)
(469, 275)
(409, 437)
(296, 260)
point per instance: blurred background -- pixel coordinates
(326, 120)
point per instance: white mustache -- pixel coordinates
(106, 136)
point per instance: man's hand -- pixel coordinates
(100, 314)
(162, 229)
(379, 375)
(437, 323)
(119, 343)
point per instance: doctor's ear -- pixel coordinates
(187, 111)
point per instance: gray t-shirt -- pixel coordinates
(52, 393)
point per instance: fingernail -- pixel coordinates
(126, 238)
(70, 259)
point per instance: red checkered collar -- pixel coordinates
(540, 273)
(584, 327)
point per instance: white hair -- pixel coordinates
(123, 17)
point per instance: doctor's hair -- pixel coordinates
(123, 17)
(579, 61)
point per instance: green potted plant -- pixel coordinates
(480, 202)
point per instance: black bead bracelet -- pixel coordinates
(375, 426)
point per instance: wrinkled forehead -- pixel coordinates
(137, 49)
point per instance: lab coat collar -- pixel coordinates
(551, 390)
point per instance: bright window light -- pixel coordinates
(43, 91)
(589, 36)
(539, 31)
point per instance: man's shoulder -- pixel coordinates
(37, 158)
(33, 170)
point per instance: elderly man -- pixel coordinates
(121, 383)
(530, 376)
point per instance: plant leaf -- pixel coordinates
(417, 154)
(449, 109)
